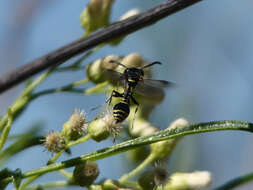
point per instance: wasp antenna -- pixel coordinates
(117, 62)
(151, 64)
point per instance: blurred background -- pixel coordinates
(205, 49)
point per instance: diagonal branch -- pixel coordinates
(113, 31)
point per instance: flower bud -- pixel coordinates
(132, 60)
(96, 15)
(142, 127)
(85, 174)
(130, 13)
(97, 130)
(152, 179)
(107, 64)
(123, 17)
(189, 181)
(54, 142)
(138, 154)
(94, 71)
(76, 126)
(100, 129)
(162, 149)
(146, 180)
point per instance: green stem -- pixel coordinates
(65, 88)
(141, 141)
(51, 185)
(236, 182)
(138, 169)
(23, 98)
(70, 144)
(66, 174)
(6, 129)
(99, 88)
(28, 181)
(52, 160)
(132, 184)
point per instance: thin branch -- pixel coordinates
(113, 31)
(236, 182)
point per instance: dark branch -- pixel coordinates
(115, 30)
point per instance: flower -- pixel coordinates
(76, 126)
(54, 142)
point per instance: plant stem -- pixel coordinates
(66, 174)
(52, 160)
(236, 182)
(138, 169)
(140, 141)
(70, 144)
(28, 181)
(68, 87)
(51, 185)
(99, 88)
(6, 129)
(23, 98)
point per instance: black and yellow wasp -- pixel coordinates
(132, 80)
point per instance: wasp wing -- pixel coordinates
(152, 88)
(157, 83)
(114, 77)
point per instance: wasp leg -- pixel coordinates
(114, 94)
(136, 109)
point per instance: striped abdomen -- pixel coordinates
(121, 111)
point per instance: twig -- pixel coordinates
(113, 31)
(236, 182)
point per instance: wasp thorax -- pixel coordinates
(133, 60)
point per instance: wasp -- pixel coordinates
(132, 80)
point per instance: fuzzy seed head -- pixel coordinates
(54, 142)
(111, 126)
(161, 175)
(85, 174)
(76, 126)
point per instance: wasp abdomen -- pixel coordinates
(121, 112)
